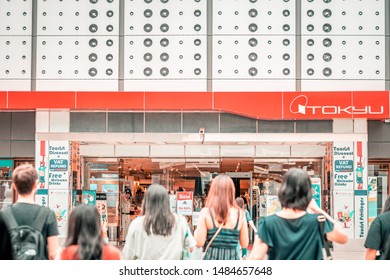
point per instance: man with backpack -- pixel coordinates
(33, 228)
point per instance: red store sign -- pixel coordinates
(258, 105)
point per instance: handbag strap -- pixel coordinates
(321, 221)
(215, 235)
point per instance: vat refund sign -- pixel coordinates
(58, 165)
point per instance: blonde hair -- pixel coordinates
(221, 197)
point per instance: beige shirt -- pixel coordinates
(139, 245)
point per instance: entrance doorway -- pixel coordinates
(256, 179)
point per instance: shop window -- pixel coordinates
(87, 122)
(163, 122)
(23, 126)
(193, 121)
(125, 122)
(314, 127)
(236, 124)
(5, 124)
(276, 126)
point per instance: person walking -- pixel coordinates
(221, 223)
(84, 240)
(293, 233)
(26, 213)
(157, 234)
(5, 241)
(378, 234)
(240, 202)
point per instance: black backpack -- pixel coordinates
(27, 242)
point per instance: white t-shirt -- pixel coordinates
(141, 246)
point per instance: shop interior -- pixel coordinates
(256, 180)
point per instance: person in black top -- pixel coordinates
(5, 241)
(378, 234)
(293, 233)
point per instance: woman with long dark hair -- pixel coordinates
(293, 233)
(157, 234)
(84, 240)
(222, 223)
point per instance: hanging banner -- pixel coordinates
(42, 197)
(59, 203)
(361, 220)
(89, 197)
(101, 205)
(184, 203)
(361, 165)
(343, 175)
(172, 203)
(41, 163)
(316, 190)
(59, 165)
(344, 212)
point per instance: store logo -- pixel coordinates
(299, 105)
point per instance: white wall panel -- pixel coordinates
(15, 57)
(16, 17)
(59, 121)
(41, 122)
(77, 85)
(97, 150)
(132, 150)
(77, 57)
(341, 57)
(237, 151)
(202, 150)
(70, 18)
(231, 17)
(308, 151)
(170, 57)
(343, 85)
(174, 17)
(352, 17)
(165, 85)
(272, 151)
(166, 150)
(254, 85)
(254, 57)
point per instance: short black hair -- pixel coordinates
(296, 191)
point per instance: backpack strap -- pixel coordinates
(41, 218)
(9, 218)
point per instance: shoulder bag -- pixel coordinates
(325, 243)
(212, 239)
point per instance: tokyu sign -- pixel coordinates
(301, 105)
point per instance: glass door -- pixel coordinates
(377, 185)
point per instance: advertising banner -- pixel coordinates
(361, 220)
(58, 165)
(172, 202)
(58, 202)
(343, 175)
(41, 163)
(316, 190)
(184, 203)
(344, 212)
(195, 218)
(42, 197)
(89, 197)
(101, 205)
(360, 165)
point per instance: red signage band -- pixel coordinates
(258, 105)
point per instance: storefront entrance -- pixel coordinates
(122, 182)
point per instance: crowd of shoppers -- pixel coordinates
(158, 234)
